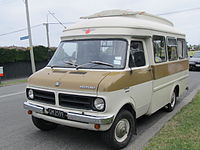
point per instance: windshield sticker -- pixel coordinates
(117, 62)
(118, 58)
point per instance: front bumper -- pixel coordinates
(102, 120)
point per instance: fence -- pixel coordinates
(20, 69)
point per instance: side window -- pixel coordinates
(159, 49)
(185, 49)
(182, 48)
(137, 57)
(172, 49)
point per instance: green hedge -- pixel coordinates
(16, 55)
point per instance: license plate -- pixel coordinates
(56, 113)
(197, 65)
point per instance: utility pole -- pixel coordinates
(47, 32)
(30, 37)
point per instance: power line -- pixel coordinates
(179, 11)
(57, 19)
(20, 30)
(62, 23)
(35, 26)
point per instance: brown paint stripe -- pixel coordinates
(121, 80)
(163, 70)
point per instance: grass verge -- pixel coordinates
(13, 82)
(182, 132)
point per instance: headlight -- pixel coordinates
(30, 94)
(99, 104)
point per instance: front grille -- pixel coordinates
(44, 96)
(75, 101)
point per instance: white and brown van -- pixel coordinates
(110, 69)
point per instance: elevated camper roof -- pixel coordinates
(121, 22)
(128, 13)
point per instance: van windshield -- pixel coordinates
(90, 54)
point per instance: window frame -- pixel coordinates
(176, 45)
(184, 47)
(90, 39)
(143, 46)
(166, 56)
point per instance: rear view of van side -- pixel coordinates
(110, 69)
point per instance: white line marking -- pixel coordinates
(13, 94)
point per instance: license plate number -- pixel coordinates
(197, 65)
(56, 113)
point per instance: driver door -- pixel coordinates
(141, 77)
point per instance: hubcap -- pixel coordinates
(121, 130)
(173, 101)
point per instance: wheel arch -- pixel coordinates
(129, 107)
(177, 90)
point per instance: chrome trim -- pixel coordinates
(33, 108)
(90, 119)
(103, 120)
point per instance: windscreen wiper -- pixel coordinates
(54, 66)
(95, 62)
(66, 62)
(101, 63)
(70, 63)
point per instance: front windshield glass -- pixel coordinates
(196, 55)
(94, 54)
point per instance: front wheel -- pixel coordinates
(43, 124)
(170, 107)
(120, 133)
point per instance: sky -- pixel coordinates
(13, 16)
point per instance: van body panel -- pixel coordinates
(114, 31)
(142, 95)
(122, 22)
(169, 68)
(86, 81)
(163, 88)
(120, 80)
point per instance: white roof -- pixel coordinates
(128, 13)
(124, 19)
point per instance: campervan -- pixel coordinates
(110, 69)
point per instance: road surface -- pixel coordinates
(18, 133)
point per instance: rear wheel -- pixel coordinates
(170, 107)
(43, 124)
(120, 133)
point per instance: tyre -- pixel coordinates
(43, 125)
(121, 131)
(170, 107)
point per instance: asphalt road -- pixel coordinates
(18, 133)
